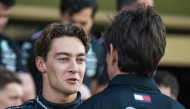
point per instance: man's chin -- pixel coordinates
(73, 91)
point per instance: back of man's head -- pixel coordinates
(75, 6)
(7, 3)
(7, 77)
(138, 35)
(164, 79)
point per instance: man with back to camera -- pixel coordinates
(121, 5)
(60, 57)
(136, 43)
(11, 90)
(81, 13)
(10, 53)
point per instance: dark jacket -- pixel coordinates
(130, 91)
(42, 103)
(10, 55)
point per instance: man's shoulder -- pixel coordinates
(161, 100)
(31, 104)
(175, 104)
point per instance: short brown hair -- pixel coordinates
(7, 76)
(138, 34)
(54, 30)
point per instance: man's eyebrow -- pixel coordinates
(62, 53)
(68, 54)
(82, 54)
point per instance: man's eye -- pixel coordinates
(14, 98)
(80, 60)
(63, 59)
(83, 23)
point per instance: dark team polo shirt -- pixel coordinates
(130, 91)
(41, 103)
(10, 55)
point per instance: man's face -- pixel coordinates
(11, 95)
(82, 18)
(4, 16)
(65, 65)
(146, 2)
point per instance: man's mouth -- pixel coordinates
(72, 80)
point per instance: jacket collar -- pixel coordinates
(134, 80)
(49, 105)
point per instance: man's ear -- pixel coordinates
(40, 64)
(113, 55)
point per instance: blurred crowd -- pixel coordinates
(20, 79)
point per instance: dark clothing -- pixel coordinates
(28, 48)
(10, 55)
(130, 91)
(42, 103)
(94, 63)
(103, 79)
(94, 66)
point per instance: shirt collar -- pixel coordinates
(135, 80)
(49, 105)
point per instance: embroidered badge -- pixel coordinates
(141, 97)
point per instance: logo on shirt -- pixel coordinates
(140, 97)
(8, 56)
(130, 108)
(91, 63)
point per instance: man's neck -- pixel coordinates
(57, 96)
(117, 72)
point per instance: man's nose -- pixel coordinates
(73, 67)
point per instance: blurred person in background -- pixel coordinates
(124, 4)
(10, 53)
(167, 83)
(11, 91)
(102, 81)
(60, 57)
(81, 13)
(136, 42)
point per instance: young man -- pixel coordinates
(10, 53)
(167, 83)
(136, 43)
(11, 91)
(60, 57)
(81, 13)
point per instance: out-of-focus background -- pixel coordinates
(29, 16)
